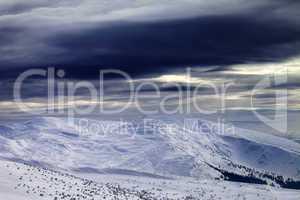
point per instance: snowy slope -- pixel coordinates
(25, 182)
(163, 152)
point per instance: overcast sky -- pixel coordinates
(145, 36)
(237, 41)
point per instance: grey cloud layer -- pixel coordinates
(144, 36)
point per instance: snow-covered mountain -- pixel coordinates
(165, 151)
(25, 182)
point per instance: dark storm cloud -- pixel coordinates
(8, 34)
(221, 40)
(288, 85)
(144, 47)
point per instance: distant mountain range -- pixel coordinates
(163, 153)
